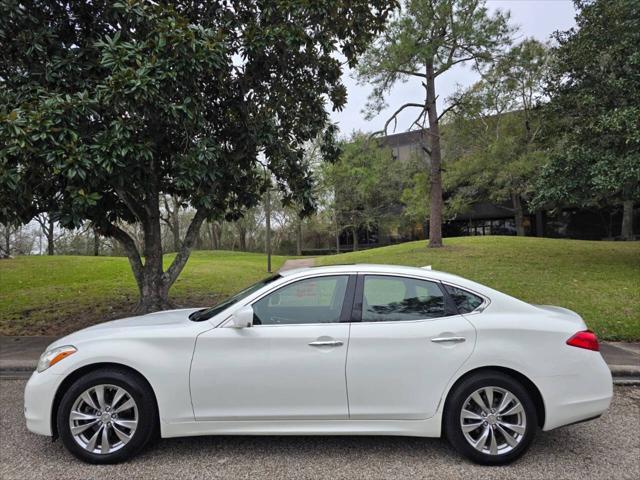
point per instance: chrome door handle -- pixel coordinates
(448, 339)
(326, 343)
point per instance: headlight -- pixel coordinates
(53, 356)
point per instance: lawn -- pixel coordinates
(59, 294)
(599, 280)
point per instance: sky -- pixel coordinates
(535, 18)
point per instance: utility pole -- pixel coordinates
(267, 212)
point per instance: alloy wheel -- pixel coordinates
(493, 420)
(103, 419)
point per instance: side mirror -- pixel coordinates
(243, 318)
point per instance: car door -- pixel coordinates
(289, 365)
(406, 343)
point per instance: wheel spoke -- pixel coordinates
(81, 428)
(493, 448)
(105, 446)
(130, 424)
(482, 440)
(124, 438)
(99, 389)
(507, 437)
(470, 427)
(489, 393)
(479, 401)
(91, 446)
(517, 408)
(86, 397)
(75, 415)
(125, 406)
(506, 400)
(469, 415)
(515, 428)
(117, 397)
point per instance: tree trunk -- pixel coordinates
(175, 230)
(539, 224)
(7, 240)
(299, 237)
(337, 236)
(518, 213)
(50, 231)
(96, 243)
(354, 233)
(626, 232)
(267, 215)
(242, 238)
(435, 214)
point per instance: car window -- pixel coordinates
(389, 299)
(465, 301)
(314, 300)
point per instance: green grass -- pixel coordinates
(56, 295)
(599, 280)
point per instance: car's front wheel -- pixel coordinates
(490, 418)
(107, 416)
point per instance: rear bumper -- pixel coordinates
(38, 401)
(579, 397)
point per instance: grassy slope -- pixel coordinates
(599, 280)
(55, 295)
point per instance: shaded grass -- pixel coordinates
(599, 280)
(59, 294)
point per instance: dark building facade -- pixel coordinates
(486, 218)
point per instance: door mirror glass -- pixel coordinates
(243, 318)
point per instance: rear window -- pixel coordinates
(465, 301)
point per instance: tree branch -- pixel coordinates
(131, 204)
(449, 108)
(129, 245)
(182, 256)
(397, 112)
(410, 73)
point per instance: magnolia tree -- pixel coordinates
(594, 110)
(106, 108)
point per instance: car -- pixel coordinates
(336, 350)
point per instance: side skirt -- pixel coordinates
(411, 428)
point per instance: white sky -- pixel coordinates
(535, 18)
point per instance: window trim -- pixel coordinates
(346, 305)
(486, 301)
(449, 306)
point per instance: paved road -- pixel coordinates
(608, 448)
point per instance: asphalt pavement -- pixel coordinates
(607, 448)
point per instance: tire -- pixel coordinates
(111, 400)
(519, 424)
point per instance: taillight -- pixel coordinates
(586, 339)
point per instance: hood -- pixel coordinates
(127, 326)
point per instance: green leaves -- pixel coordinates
(594, 108)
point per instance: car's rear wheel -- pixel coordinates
(490, 418)
(107, 416)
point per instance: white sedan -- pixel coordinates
(341, 350)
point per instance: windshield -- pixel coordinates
(207, 313)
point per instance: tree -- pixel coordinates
(424, 41)
(113, 105)
(493, 144)
(594, 111)
(366, 183)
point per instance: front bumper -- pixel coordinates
(38, 401)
